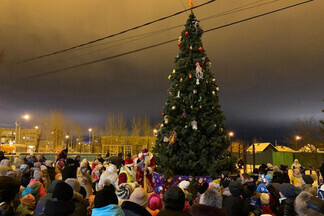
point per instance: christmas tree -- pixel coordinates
(192, 139)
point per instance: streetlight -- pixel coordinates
(36, 127)
(67, 140)
(90, 130)
(296, 139)
(18, 126)
(230, 134)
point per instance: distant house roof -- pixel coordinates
(261, 147)
(284, 149)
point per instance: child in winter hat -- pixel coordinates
(155, 204)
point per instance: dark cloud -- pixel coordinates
(270, 70)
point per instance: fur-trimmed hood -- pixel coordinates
(301, 205)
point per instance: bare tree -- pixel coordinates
(147, 127)
(309, 131)
(116, 125)
(136, 124)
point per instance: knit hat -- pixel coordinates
(75, 184)
(36, 186)
(48, 163)
(124, 191)
(174, 199)
(269, 178)
(265, 198)
(308, 179)
(63, 191)
(31, 160)
(60, 163)
(105, 197)
(235, 188)
(43, 168)
(155, 202)
(29, 200)
(139, 196)
(24, 168)
(262, 188)
(288, 190)
(184, 185)
(38, 175)
(28, 191)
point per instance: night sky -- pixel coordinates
(270, 70)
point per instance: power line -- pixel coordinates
(149, 34)
(163, 43)
(114, 35)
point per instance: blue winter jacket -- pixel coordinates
(112, 209)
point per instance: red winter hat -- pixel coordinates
(144, 150)
(128, 161)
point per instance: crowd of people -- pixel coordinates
(123, 186)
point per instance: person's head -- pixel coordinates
(38, 175)
(235, 188)
(211, 198)
(63, 192)
(78, 158)
(265, 199)
(28, 200)
(174, 199)
(52, 185)
(124, 191)
(287, 190)
(99, 156)
(155, 202)
(296, 161)
(105, 197)
(307, 179)
(74, 183)
(24, 168)
(139, 196)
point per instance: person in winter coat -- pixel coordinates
(39, 210)
(85, 179)
(296, 178)
(27, 206)
(265, 200)
(79, 203)
(9, 187)
(25, 178)
(61, 202)
(307, 185)
(37, 177)
(155, 204)
(210, 204)
(308, 205)
(288, 194)
(234, 204)
(50, 169)
(69, 170)
(106, 203)
(137, 203)
(174, 201)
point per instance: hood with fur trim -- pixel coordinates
(301, 205)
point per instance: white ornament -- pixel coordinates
(197, 82)
(217, 88)
(194, 125)
(174, 71)
(178, 95)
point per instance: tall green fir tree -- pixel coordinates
(191, 138)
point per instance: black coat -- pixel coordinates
(69, 172)
(133, 209)
(287, 207)
(236, 206)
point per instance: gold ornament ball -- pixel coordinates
(201, 107)
(190, 47)
(173, 71)
(214, 80)
(169, 77)
(173, 107)
(213, 92)
(217, 88)
(181, 79)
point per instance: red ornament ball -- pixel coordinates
(201, 49)
(163, 114)
(179, 43)
(186, 33)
